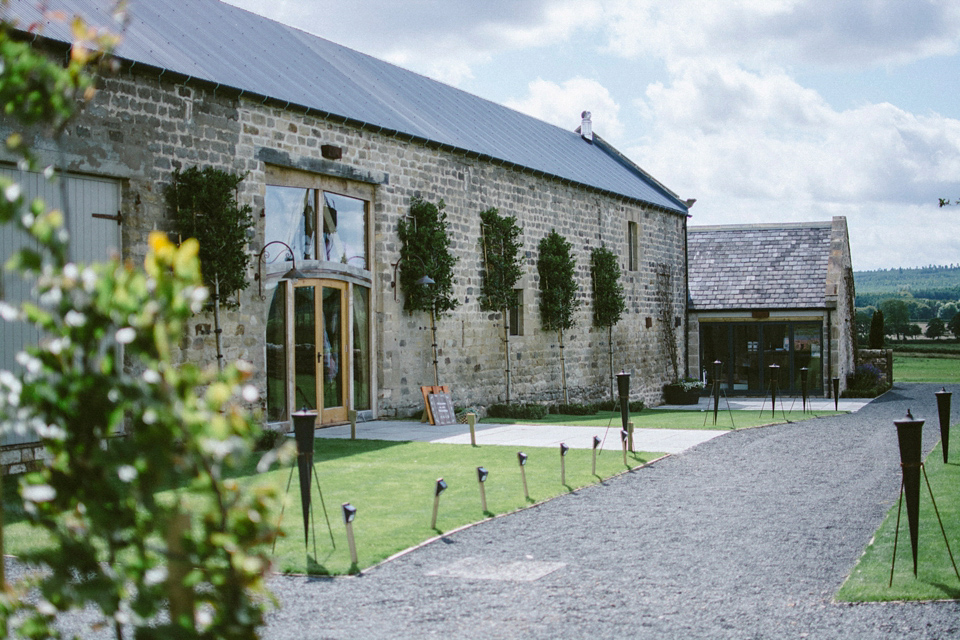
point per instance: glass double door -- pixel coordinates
(320, 346)
(747, 351)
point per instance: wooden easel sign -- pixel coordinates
(438, 405)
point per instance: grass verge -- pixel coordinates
(392, 486)
(915, 368)
(936, 580)
(677, 418)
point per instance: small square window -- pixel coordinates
(516, 314)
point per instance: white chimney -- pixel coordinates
(586, 127)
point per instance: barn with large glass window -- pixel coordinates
(771, 294)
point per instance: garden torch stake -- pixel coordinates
(563, 466)
(596, 443)
(482, 478)
(522, 459)
(349, 513)
(440, 488)
(943, 410)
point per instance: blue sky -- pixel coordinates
(762, 110)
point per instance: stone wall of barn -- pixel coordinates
(471, 350)
(140, 127)
(841, 293)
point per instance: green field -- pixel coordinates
(908, 367)
(935, 579)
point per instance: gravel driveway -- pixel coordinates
(748, 535)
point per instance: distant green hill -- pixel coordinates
(934, 282)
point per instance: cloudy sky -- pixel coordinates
(762, 110)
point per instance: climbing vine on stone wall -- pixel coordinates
(502, 269)
(558, 291)
(608, 299)
(502, 262)
(665, 300)
(204, 206)
(426, 251)
(558, 284)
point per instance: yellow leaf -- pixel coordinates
(218, 394)
(159, 241)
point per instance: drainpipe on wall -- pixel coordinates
(828, 381)
(686, 294)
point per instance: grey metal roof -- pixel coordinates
(223, 44)
(759, 266)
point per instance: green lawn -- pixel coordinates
(679, 419)
(392, 486)
(913, 368)
(935, 575)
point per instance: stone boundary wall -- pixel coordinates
(882, 359)
(21, 458)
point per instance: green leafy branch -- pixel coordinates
(119, 427)
(503, 264)
(608, 299)
(558, 285)
(205, 207)
(425, 250)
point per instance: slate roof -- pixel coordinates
(222, 44)
(758, 266)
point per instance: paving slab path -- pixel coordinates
(526, 435)
(747, 535)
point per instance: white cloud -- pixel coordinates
(562, 104)
(728, 123)
(866, 32)
(853, 33)
(713, 95)
(761, 148)
(449, 38)
(443, 39)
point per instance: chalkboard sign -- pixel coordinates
(441, 406)
(426, 391)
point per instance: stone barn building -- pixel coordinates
(772, 294)
(329, 138)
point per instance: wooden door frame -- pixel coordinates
(338, 414)
(333, 415)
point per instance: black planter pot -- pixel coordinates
(675, 394)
